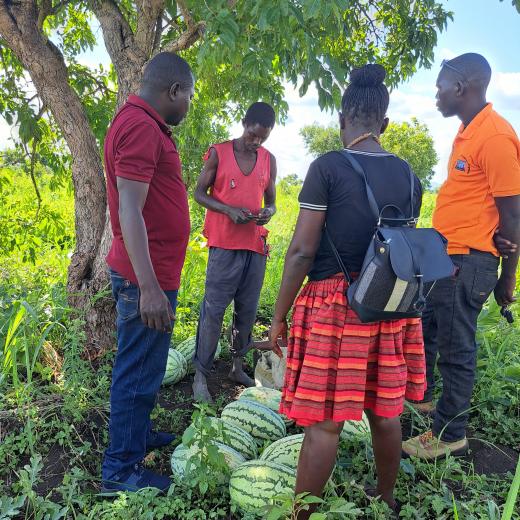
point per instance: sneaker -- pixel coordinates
(159, 439)
(426, 408)
(138, 478)
(428, 447)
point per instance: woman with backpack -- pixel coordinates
(337, 366)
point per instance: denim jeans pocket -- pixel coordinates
(128, 302)
(483, 284)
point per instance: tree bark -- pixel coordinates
(19, 26)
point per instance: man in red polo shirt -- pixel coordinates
(150, 221)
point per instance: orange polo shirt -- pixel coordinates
(484, 164)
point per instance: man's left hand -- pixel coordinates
(264, 216)
(504, 290)
(505, 247)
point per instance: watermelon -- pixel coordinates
(176, 367)
(182, 454)
(284, 451)
(255, 483)
(255, 418)
(269, 397)
(234, 437)
(187, 348)
(357, 428)
(266, 396)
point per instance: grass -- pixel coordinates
(53, 403)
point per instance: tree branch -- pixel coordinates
(118, 35)
(375, 30)
(148, 11)
(158, 33)
(44, 12)
(187, 38)
(181, 4)
(8, 21)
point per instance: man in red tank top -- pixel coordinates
(238, 176)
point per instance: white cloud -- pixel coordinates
(505, 90)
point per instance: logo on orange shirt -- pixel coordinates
(461, 165)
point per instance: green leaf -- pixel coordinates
(188, 436)
(203, 487)
(513, 371)
(310, 499)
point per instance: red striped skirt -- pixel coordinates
(338, 366)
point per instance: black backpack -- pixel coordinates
(401, 264)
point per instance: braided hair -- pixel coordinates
(366, 99)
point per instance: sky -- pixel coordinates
(488, 27)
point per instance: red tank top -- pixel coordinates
(233, 188)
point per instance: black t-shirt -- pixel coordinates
(332, 185)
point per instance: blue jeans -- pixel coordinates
(136, 378)
(449, 328)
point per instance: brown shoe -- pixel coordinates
(426, 408)
(428, 447)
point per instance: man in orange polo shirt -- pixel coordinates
(480, 195)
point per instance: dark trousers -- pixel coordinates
(232, 275)
(449, 328)
(136, 378)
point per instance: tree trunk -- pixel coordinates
(46, 66)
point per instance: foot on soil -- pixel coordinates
(428, 447)
(240, 377)
(200, 389)
(134, 480)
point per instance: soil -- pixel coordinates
(486, 459)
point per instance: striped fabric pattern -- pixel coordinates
(312, 207)
(338, 366)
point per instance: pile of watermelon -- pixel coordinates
(254, 441)
(179, 360)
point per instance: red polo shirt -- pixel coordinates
(139, 147)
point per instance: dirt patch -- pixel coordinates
(219, 385)
(491, 459)
(55, 465)
(59, 459)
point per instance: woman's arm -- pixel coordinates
(298, 260)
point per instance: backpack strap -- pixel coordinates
(412, 189)
(337, 256)
(370, 194)
(359, 170)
